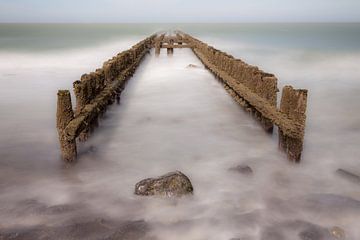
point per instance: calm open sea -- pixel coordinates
(177, 118)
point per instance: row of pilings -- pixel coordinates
(94, 92)
(253, 89)
(256, 91)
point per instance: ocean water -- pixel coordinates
(176, 118)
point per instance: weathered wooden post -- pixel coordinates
(64, 115)
(170, 50)
(117, 95)
(179, 39)
(108, 71)
(293, 104)
(269, 92)
(157, 47)
(80, 92)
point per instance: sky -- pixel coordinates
(179, 11)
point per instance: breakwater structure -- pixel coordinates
(255, 90)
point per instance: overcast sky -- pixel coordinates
(179, 10)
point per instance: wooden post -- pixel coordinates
(178, 39)
(108, 71)
(293, 103)
(118, 98)
(81, 93)
(64, 115)
(170, 50)
(157, 46)
(269, 92)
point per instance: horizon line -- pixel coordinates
(239, 22)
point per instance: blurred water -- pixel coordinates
(177, 118)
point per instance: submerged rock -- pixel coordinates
(311, 234)
(80, 230)
(348, 175)
(243, 169)
(173, 184)
(290, 228)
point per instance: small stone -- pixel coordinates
(243, 169)
(173, 184)
(310, 235)
(192, 66)
(338, 233)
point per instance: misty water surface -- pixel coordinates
(176, 118)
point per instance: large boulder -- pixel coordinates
(173, 184)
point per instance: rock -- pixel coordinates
(130, 230)
(348, 175)
(242, 238)
(310, 235)
(192, 66)
(173, 184)
(290, 228)
(80, 230)
(243, 169)
(338, 233)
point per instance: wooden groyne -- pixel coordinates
(256, 91)
(252, 88)
(94, 91)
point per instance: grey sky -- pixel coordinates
(179, 10)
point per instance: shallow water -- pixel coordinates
(176, 118)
